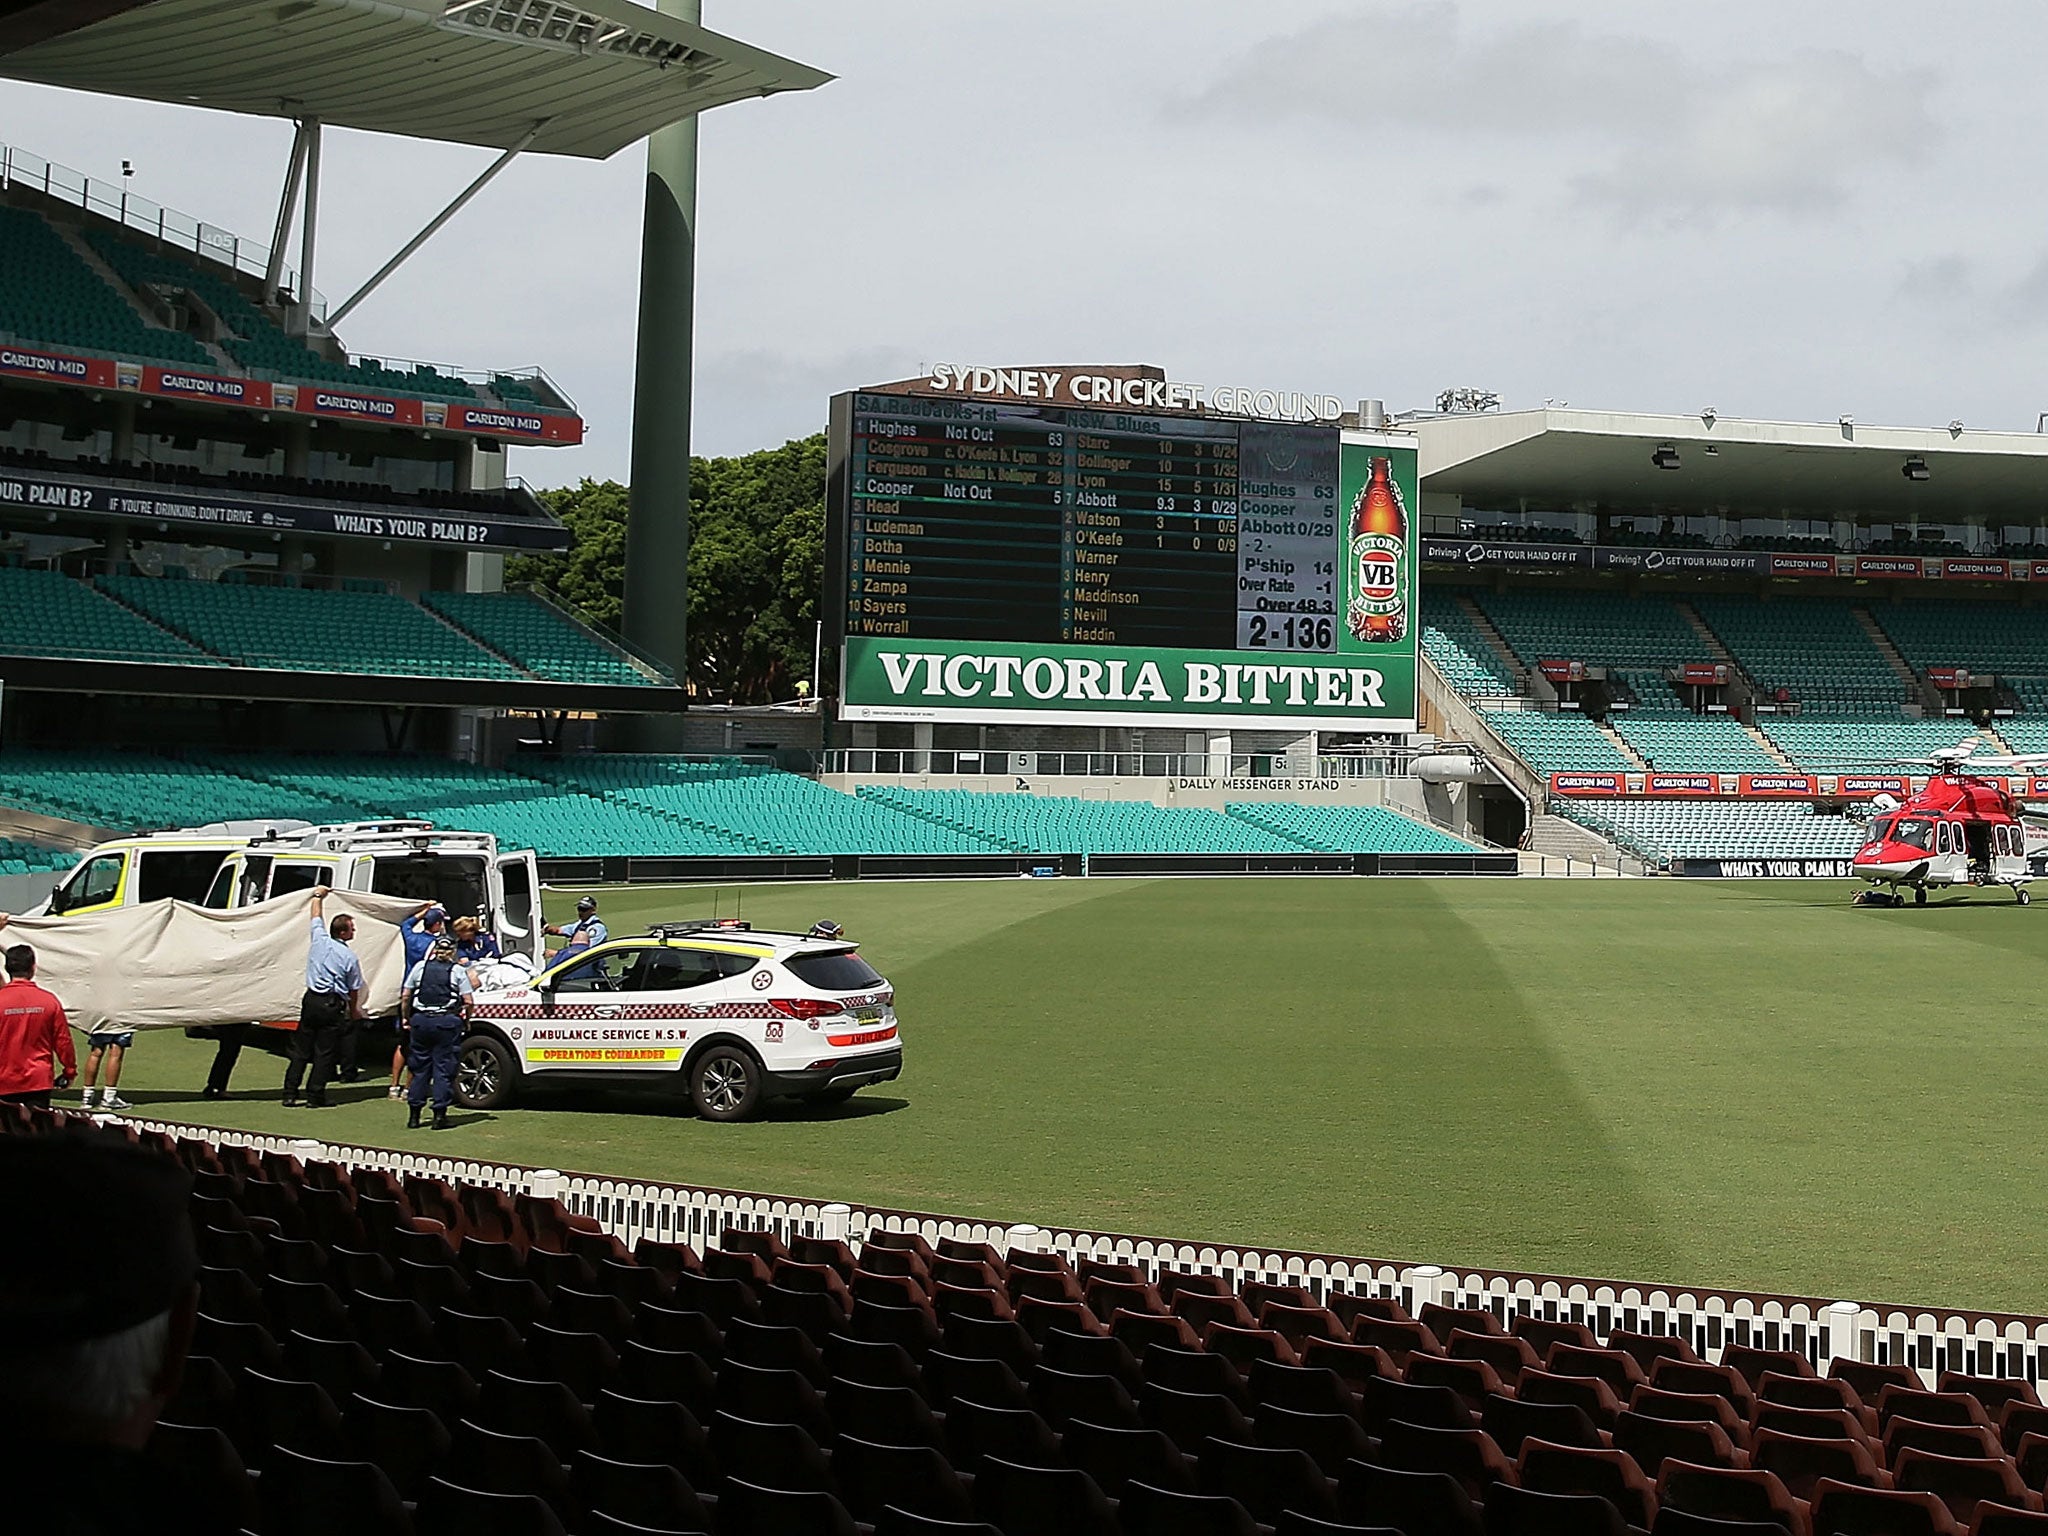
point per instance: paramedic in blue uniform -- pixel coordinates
(333, 1002)
(587, 930)
(433, 1006)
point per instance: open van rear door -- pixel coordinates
(519, 905)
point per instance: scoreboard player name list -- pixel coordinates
(1047, 525)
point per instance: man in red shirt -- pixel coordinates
(34, 1036)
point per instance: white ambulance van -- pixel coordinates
(237, 864)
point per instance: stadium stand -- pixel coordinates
(539, 637)
(637, 806)
(1348, 828)
(131, 791)
(310, 630)
(1980, 636)
(24, 858)
(1811, 646)
(1821, 743)
(1681, 743)
(46, 613)
(520, 811)
(1451, 640)
(256, 341)
(1637, 636)
(1555, 743)
(1062, 824)
(49, 295)
(356, 1343)
(1718, 829)
(773, 811)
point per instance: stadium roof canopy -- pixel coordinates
(1844, 468)
(595, 76)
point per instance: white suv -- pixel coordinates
(739, 1017)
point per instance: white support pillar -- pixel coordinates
(1028, 1238)
(300, 319)
(921, 745)
(1841, 1318)
(833, 1221)
(1425, 1281)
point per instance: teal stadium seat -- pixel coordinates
(1064, 824)
(1718, 829)
(320, 631)
(1461, 653)
(49, 296)
(542, 639)
(1639, 637)
(134, 792)
(46, 613)
(1694, 744)
(1349, 828)
(1550, 742)
(765, 810)
(255, 340)
(18, 857)
(1984, 636)
(1823, 743)
(1812, 646)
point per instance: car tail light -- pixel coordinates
(865, 1037)
(805, 1007)
(822, 1066)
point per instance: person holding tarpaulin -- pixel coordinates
(333, 1002)
(433, 1007)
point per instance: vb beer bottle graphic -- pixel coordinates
(1378, 612)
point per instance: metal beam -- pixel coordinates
(301, 318)
(434, 224)
(273, 272)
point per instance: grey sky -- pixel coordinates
(1781, 211)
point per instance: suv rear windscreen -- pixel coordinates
(454, 881)
(840, 971)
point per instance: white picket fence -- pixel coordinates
(1930, 1340)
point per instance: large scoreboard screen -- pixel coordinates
(997, 560)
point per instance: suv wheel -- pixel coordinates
(725, 1083)
(485, 1073)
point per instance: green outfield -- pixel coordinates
(1731, 1084)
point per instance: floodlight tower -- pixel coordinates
(656, 609)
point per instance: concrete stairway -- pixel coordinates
(1765, 744)
(1621, 745)
(1493, 637)
(1712, 641)
(1890, 653)
(1558, 845)
(139, 302)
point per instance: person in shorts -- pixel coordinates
(110, 1046)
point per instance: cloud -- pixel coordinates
(1626, 123)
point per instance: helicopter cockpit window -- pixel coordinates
(1915, 831)
(1880, 829)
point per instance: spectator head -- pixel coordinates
(342, 927)
(97, 1296)
(21, 962)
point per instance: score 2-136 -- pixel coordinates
(1290, 632)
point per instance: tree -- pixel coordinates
(757, 566)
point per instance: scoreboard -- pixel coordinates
(978, 548)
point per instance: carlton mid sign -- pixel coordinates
(1123, 392)
(1078, 685)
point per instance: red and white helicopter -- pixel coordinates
(1962, 829)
